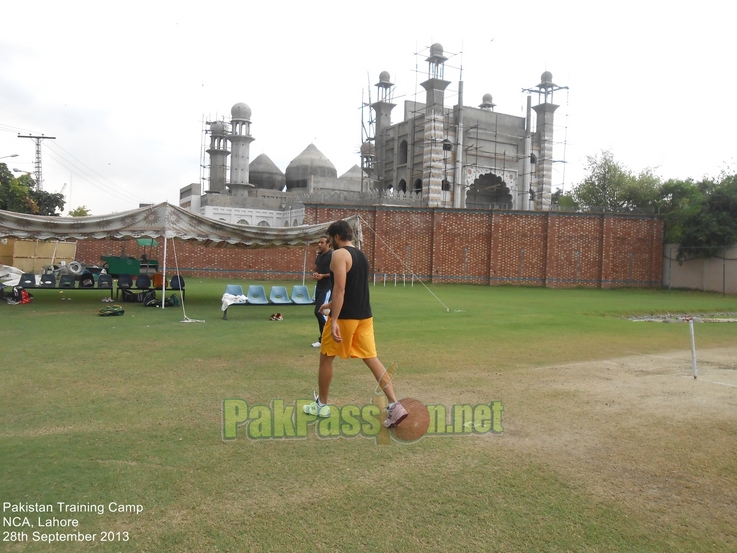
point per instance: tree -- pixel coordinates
(700, 216)
(610, 186)
(81, 211)
(19, 194)
(565, 202)
(14, 193)
(607, 186)
(707, 219)
(679, 201)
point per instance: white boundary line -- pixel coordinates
(711, 381)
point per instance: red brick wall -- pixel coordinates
(444, 245)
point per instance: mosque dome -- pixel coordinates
(263, 173)
(436, 49)
(384, 77)
(487, 102)
(219, 128)
(310, 163)
(546, 81)
(241, 111)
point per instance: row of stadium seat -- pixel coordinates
(256, 295)
(48, 280)
(104, 282)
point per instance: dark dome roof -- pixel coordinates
(311, 162)
(263, 173)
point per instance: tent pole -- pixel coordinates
(163, 280)
(304, 265)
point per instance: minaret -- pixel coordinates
(240, 140)
(383, 109)
(218, 155)
(544, 140)
(432, 162)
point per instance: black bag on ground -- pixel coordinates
(17, 293)
(130, 296)
(149, 299)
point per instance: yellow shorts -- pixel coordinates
(358, 339)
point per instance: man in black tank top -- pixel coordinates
(349, 331)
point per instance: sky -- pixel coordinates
(125, 88)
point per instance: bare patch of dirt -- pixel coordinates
(638, 430)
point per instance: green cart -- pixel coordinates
(145, 262)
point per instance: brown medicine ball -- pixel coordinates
(417, 421)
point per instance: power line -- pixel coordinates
(132, 197)
(83, 175)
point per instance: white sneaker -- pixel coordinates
(395, 414)
(322, 411)
(316, 344)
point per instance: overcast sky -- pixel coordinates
(125, 87)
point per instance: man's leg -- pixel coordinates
(319, 300)
(325, 376)
(378, 370)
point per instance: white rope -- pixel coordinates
(391, 371)
(176, 263)
(406, 267)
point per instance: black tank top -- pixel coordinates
(356, 304)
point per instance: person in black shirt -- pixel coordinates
(324, 282)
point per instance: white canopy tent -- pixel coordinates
(162, 221)
(159, 221)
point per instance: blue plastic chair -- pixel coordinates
(279, 295)
(125, 282)
(105, 281)
(28, 280)
(177, 283)
(257, 295)
(48, 280)
(66, 281)
(301, 296)
(143, 282)
(234, 290)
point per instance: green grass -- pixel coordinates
(128, 410)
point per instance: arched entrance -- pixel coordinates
(486, 190)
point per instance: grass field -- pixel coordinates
(609, 444)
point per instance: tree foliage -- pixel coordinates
(19, 194)
(605, 186)
(707, 221)
(700, 216)
(81, 211)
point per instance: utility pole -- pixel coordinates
(37, 163)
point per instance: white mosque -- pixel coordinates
(462, 157)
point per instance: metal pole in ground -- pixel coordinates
(304, 265)
(724, 273)
(693, 347)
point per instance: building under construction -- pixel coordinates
(461, 156)
(454, 157)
